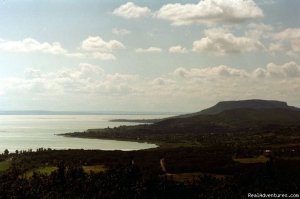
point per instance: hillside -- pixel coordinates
(220, 107)
(235, 119)
(233, 122)
(250, 104)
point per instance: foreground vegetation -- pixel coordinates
(130, 182)
(191, 172)
(4, 165)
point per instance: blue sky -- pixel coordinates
(147, 55)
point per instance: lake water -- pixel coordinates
(23, 132)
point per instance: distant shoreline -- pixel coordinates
(150, 121)
(41, 112)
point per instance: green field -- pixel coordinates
(49, 169)
(258, 159)
(42, 170)
(189, 177)
(94, 168)
(4, 165)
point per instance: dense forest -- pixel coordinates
(138, 174)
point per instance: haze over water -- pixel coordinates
(23, 132)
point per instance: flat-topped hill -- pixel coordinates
(246, 104)
(247, 117)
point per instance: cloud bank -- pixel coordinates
(210, 12)
(220, 42)
(182, 87)
(28, 45)
(205, 12)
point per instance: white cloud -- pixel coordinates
(287, 40)
(220, 42)
(98, 44)
(178, 49)
(288, 34)
(181, 72)
(148, 50)
(259, 73)
(258, 31)
(97, 48)
(121, 77)
(218, 71)
(87, 70)
(28, 45)
(130, 10)
(286, 70)
(92, 47)
(290, 69)
(93, 55)
(212, 84)
(161, 81)
(210, 12)
(120, 32)
(84, 79)
(275, 46)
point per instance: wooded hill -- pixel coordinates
(248, 116)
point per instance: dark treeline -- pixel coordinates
(143, 177)
(184, 159)
(177, 160)
(128, 181)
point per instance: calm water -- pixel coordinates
(35, 131)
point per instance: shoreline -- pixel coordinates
(158, 144)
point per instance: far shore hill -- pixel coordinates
(226, 120)
(223, 106)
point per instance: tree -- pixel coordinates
(6, 152)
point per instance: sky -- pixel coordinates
(147, 55)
